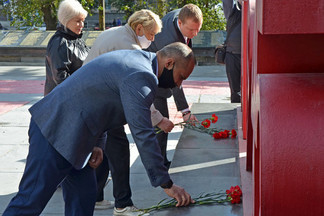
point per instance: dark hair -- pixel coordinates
(179, 51)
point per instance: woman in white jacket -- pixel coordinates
(138, 33)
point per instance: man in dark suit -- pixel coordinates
(232, 12)
(110, 91)
(180, 25)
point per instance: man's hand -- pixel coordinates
(178, 193)
(191, 118)
(96, 157)
(166, 125)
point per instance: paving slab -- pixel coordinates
(18, 117)
(202, 164)
(22, 72)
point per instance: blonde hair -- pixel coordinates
(147, 19)
(69, 9)
(190, 11)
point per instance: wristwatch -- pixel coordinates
(185, 113)
(167, 185)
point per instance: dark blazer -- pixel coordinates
(170, 33)
(233, 26)
(108, 92)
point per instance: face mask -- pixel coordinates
(166, 79)
(145, 43)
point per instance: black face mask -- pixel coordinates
(166, 79)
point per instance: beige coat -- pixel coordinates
(118, 38)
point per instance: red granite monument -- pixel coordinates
(283, 105)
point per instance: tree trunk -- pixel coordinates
(102, 15)
(49, 18)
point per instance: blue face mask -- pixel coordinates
(166, 79)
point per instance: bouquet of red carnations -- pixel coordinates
(232, 195)
(204, 127)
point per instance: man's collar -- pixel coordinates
(155, 66)
(185, 38)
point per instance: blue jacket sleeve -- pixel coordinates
(137, 93)
(101, 143)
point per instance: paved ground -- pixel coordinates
(206, 90)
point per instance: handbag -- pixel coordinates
(220, 53)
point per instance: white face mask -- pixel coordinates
(145, 43)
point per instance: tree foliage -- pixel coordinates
(212, 10)
(34, 13)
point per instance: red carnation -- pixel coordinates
(214, 118)
(234, 194)
(227, 132)
(205, 123)
(216, 135)
(234, 134)
(223, 134)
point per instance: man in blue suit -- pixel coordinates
(114, 89)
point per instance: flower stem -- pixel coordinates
(202, 199)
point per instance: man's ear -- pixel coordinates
(179, 22)
(169, 63)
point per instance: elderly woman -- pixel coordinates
(138, 33)
(66, 52)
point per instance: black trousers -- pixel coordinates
(102, 173)
(117, 159)
(233, 71)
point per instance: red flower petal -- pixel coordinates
(217, 135)
(214, 118)
(234, 134)
(206, 123)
